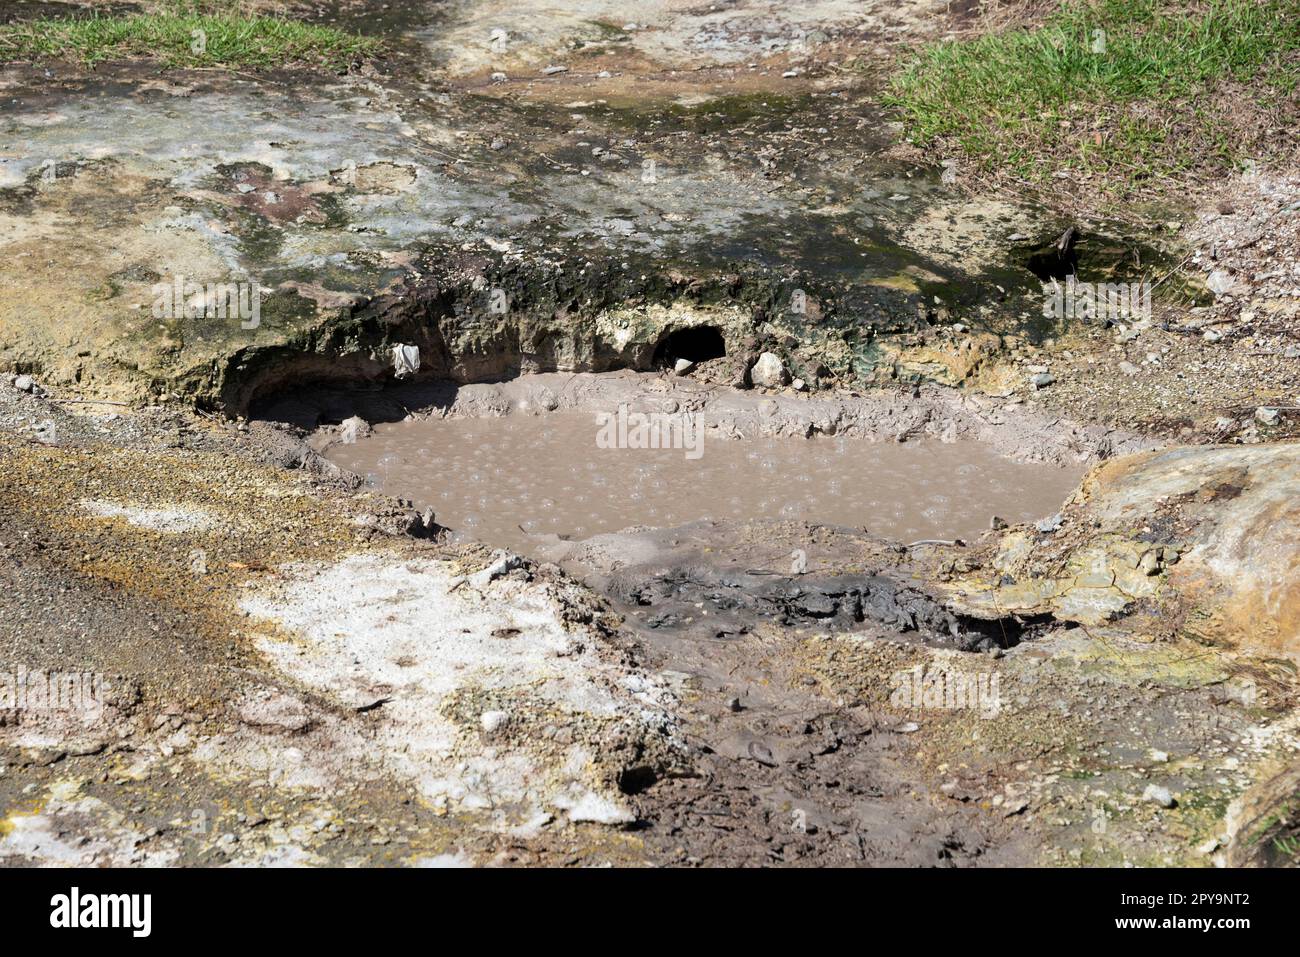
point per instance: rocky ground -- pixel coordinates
(299, 670)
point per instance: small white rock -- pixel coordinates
(769, 372)
(599, 810)
(1159, 795)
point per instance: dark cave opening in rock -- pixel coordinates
(695, 344)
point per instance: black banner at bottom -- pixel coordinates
(338, 906)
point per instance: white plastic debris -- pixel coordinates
(353, 428)
(406, 360)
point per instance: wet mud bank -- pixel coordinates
(900, 414)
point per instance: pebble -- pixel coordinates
(1159, 795)
(768, 371)
(502, 562)
(25, 383)
(1220, 282)
(1042, 380)
(1014, 806)
(1267, 416)
(683, 366)
(1049, 524)
(1128, 368)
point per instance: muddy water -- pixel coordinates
(506, 481)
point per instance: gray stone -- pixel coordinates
(769, 372)
(1267, 416)
(1159, 795)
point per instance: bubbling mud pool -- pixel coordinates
(518, 481)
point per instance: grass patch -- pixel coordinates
(187, 37)
(1120, 90)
